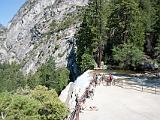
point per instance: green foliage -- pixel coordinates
(148, 14)
(157, 48)
(53, 108)
(89, 37)
(50, 77)
(19, 107)
(39, 104)
(157, 27)
(62, 77)
(128, 56)
(87, 62)
(68, 21)
(84, 40)
(53, 25)
(125, 24)
(11, 77)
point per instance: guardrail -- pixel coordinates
(75, 114)
(140, 86)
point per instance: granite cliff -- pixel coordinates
(42, 29)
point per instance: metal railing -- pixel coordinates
(140, 86)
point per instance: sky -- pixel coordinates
(8, 9)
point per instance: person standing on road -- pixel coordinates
(110, 78)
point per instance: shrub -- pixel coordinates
(52, 108)
(62, 78)
(48, 76)
(11, 77)
(87, 62)
(127, 55)
(39, 104)
(18, 107)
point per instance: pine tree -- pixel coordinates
(83, 42)
(89, 37)
(125, 25)
(157, 49)
(148, 19)
(148, 14)
(157, 27)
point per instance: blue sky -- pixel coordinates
(8, 9)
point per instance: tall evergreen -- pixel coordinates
(126, 29)
(89, 36)
(125, 24)
(109, 26)
(157, 27)
(148, 19)
(83, 42)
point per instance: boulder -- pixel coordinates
(148, 64)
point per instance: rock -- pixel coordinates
(68, 95)
(148, 64)
(40, 30)
(3, 51)
(158, 75)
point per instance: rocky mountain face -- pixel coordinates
(3, 51)
(42, 29)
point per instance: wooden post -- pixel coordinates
(155, 88)
(142, 85)
(77, 112)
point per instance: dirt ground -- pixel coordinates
(115, 103)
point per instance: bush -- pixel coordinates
(62, 78)
(18, 107)
(87, 62)
(52, 108)
(48, 76)
(128, 56)
(39, 104)
(11, 77)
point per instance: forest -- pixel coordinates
(122, 33)
(33, 96)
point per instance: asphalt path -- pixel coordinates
(115, 103)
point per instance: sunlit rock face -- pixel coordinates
(3, 51)
(42, 29)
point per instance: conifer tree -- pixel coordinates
(157, 28)
(89, 37)
(148, 19)
(125, 24)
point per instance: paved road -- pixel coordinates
(115, 103)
